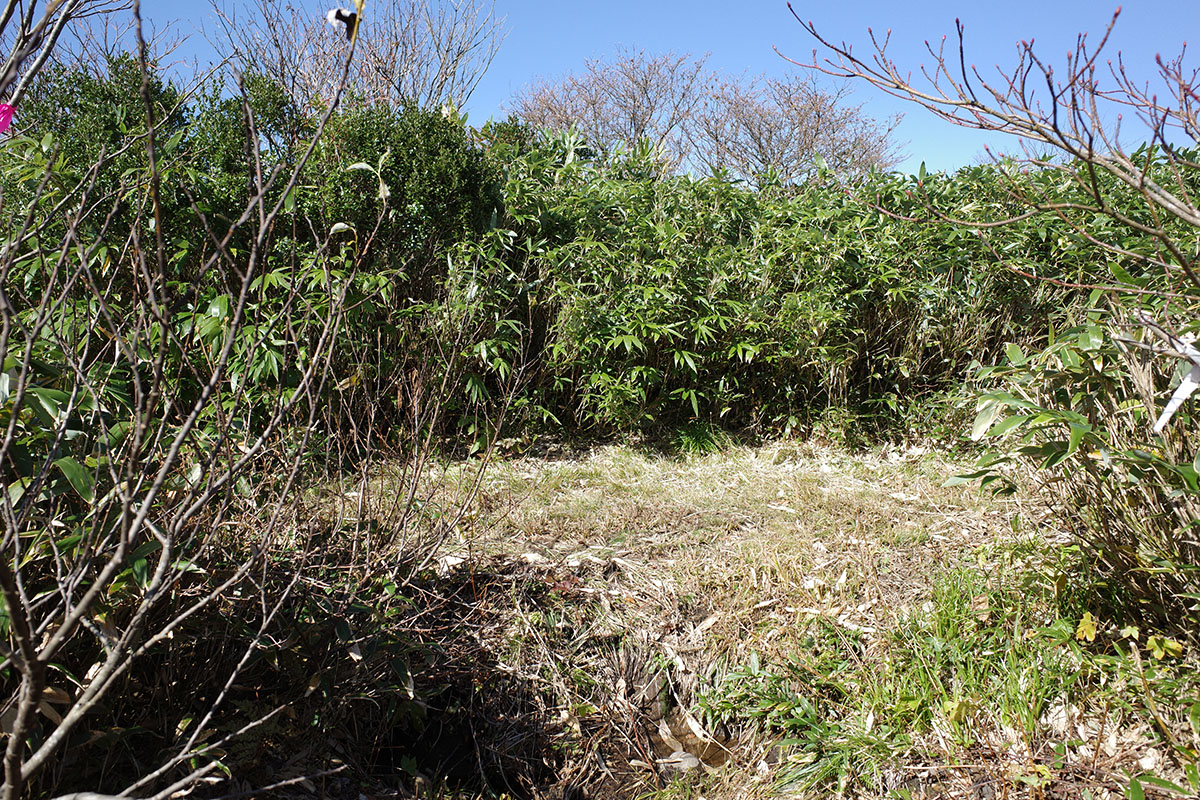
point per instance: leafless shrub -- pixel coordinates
(634, 96)
(788, 126)
(1078, 113)
(153, 487)
(697, 118)
(29, 35)
(420, 52)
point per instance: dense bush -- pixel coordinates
(1077, 412)
(190, 347)
(185, 343)
(657, 299)
(1077, 415)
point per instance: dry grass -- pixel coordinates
(592, 600)
(669, 571)
(749, 534)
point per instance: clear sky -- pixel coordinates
(548, 38)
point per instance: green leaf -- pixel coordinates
(1091, 337)
(16, 489)
(1015, 355)
(1122, 276)
(959, 480)
(116, 434)
(1077, 434)
(1190, 476)
(1162, 783)
(45, 403)
(141, 572)
(172, 144)
(1057, 455)
(1135, 791)
(984, 419)
(81, 480)
(1007, 424)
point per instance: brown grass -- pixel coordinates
(585, 602)
(671, 570)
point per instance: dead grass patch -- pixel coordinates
(667, 574)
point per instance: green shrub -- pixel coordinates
(660, 299)
(1077, 415)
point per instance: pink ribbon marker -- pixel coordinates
(6, 115)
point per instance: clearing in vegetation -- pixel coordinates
(263, 333)
(800, 618)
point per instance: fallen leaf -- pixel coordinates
(1087, 628)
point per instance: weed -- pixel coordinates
(699, 437)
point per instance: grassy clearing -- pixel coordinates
(799, 619)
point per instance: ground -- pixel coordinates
(789, 619)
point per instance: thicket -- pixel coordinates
(1087, 414)
(219, 312)
(627, 298)
(1096, 416)
(655, 300)
(221, 309)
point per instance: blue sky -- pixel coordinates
(550, 39)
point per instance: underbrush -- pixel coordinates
(623, 623)
(1076, 419)
(326, 671)
(1000, 679)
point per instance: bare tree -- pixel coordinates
(618, 102)
(788, 126)
(30, 33)
(137, 506)
(420, 51)
(1131, 194)
(1078, 113)
(700, 119)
